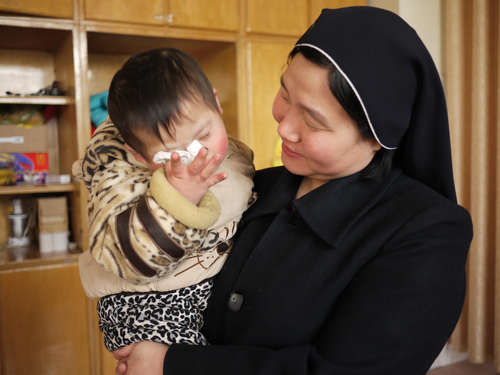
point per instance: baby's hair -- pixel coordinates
(148, 92)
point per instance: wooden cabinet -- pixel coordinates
(133, 11)
(267, 61)
(43, 310)
(51, 8)
(32, 58)
(216, 15)
(219, 15)
(43, 321)
(280, 17)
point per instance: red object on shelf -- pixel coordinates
(31, 167)
(49, 112)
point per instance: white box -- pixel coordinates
(53, 242)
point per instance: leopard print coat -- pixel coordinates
(135, 243)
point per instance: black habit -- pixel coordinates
(356, 277)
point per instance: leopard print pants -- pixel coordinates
(173, 317)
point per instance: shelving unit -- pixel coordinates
(241, 44)
(29, 257)
(37, 189)
(40, 295)
(34, 52)
(37, 100)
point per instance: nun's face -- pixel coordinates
(320, 140)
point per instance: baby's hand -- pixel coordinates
(194, 179)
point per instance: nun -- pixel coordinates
(352, 260)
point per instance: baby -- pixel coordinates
(167, 189)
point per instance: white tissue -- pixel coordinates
(186, 156)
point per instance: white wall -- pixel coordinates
(424, 16)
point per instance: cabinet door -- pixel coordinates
(133, 11)
(317, 5)
(43, 322)
(267, 63)
(281, 17)
(220, 14)
(50, 8)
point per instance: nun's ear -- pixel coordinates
(375, 145)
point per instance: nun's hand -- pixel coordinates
(145, 357)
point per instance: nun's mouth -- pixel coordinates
(289, 152)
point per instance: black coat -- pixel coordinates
(356, 277)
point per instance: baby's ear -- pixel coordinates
(217, 100)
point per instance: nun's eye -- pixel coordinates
(311, 123)
(284, 95)
(313, 127)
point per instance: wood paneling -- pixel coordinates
(19, 38)
(267, 63)
(280, 17)
(224, 81)
(113, 44)
(4, 221)
(217, 15)
(101, 69)
(43, 322)
(133, 11)
(37, 189)
(25, 71)
(64, 150)
(52, 8)
(220, 14)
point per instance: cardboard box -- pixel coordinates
(52, 225)
(21, 139)
(52, 215)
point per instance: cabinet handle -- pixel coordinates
(167, 18)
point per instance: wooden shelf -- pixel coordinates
(161, 31)
(37, 189)
(44, 100)
(27, 257)
(37, 22)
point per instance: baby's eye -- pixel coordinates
(205, 135)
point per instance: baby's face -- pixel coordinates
(198, 122)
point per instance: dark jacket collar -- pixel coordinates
(330, 210)
(276, 189)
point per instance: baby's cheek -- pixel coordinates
(220, 146)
